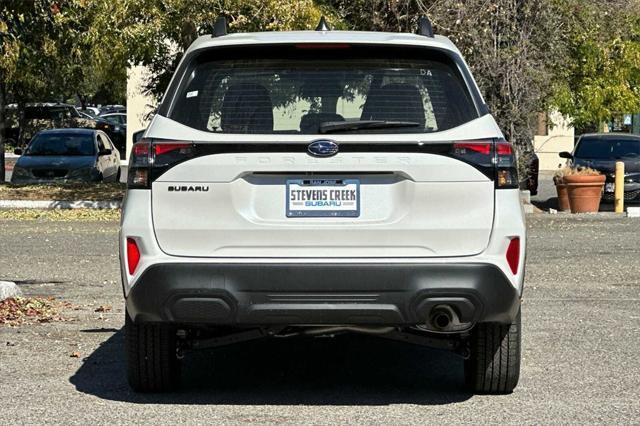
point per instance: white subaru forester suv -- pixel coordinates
(323, 182)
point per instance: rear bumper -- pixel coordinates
(319, 294)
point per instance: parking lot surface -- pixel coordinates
(581, 331)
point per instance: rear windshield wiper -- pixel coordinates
(338, 126)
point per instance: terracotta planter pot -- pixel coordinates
(584, 192)
(563, 197)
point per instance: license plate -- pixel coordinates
(323, 198)
(609, 187)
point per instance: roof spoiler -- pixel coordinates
(424, 27)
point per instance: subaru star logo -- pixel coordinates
(323, 148)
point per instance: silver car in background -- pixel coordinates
(68, 155)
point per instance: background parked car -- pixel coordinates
(117, 129)
(115, 117)
(63, 155)
(92, 111)
(41, 116)
(11, 131)
(107, 109)
(528, 168)
(600, 151)
(85, 115)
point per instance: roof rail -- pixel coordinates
(424, 27)
(322, 25)
(220, 27)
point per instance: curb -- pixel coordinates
(587, 216)
(50, 204)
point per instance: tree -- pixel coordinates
(53, 51)
(601, 76)
(23, 33)
(156, 33)
(512, 47)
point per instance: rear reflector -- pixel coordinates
(513, 254)
(133, 255)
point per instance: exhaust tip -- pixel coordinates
(442, 317)
(441, 320)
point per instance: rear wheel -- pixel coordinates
(494, 364)
(152, 365)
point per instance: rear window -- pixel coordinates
(299, 89)
(608, 149)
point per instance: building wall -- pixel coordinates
(138, 105)
(560, 137)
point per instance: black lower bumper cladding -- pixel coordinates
(319, 294)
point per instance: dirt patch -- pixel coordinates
(106, 215)
(20, 310)
(66, 192)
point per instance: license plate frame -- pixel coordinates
(324, 184)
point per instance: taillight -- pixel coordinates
(150, 158)
(493, 157)
(513, 254)
(483, 148)
(478, 153)
(133, 255)
(164, 148)
(506, 166)
(139, 162)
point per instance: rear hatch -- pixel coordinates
(373, 155)
(235, 205)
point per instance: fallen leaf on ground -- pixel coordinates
(19, 310)
(75, 355)
(103, 308)
(61, 215)
(63, 192)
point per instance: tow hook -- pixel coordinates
(181, 344)
(179, 353)
(463, 350)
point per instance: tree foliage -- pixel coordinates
(512, 47)
(155, 33)
(601, 76)
(580, 56)
(54, 51)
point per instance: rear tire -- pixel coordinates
(494, 364)
(152, 365)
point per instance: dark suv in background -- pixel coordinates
(48, 115)
(601, 151)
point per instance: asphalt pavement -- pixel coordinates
(581, 330)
